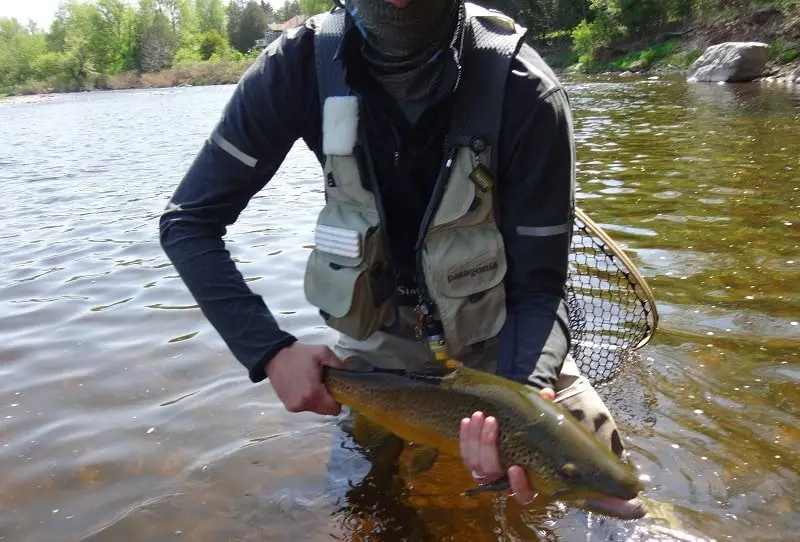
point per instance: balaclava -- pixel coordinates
(403, 46)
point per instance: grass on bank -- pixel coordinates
(210, 72)
(661, 55)
(666, 54)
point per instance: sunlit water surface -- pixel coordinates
(122, 414)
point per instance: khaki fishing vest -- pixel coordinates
(463, 258)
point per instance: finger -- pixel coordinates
(323, 403)
(488, 455)
(327, 357)
(548, 394)
(520, 486)
(463, 440)
(474, 442)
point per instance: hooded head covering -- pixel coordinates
(403, 46)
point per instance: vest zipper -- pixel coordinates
(396, 158)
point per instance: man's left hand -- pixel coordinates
(478, 441)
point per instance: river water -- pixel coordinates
(122, 414)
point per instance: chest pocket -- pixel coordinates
(347, 276)
(464, 261)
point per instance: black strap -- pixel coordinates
(330, 28)
(490, 43)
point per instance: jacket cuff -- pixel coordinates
(258, 372)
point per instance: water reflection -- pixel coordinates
(122, 414)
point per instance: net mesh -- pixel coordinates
(612, 311)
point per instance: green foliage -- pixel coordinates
(213, 44)
(247, 22)
(211, 17)
(784, 51)
(683, 59)
(562, 58)
(643, 59)
(602, 32)
(657, 52)
(288, 10)
(19, 48)
(312, 7)
(636, 16)
(159, 40)
(92, 41)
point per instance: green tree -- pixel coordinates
(211, 16)
(117, 24)
(247, 25)
(19, 48)
(234, 12)
(157, 40)
(213, 44)
(78, 36)
(288, 10)
(312, 7)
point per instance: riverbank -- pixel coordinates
(673, 51)
(218, 72)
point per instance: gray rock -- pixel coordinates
(730, 62)
(637, 66)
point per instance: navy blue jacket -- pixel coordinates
(276, 103)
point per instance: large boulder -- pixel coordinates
(733, 61)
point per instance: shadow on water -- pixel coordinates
(122, 414)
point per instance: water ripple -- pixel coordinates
(122, 413)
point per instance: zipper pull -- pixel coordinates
(396, 158)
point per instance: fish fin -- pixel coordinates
(357, 363)
(422, 460)
(433, 372)
(501, 484)
(367, 433)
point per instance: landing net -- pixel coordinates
(612, 310)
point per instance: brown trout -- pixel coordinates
(561, 458)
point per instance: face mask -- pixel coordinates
(398, 33)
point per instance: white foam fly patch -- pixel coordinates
(339, 125)
(339, 241)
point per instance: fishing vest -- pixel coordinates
(461, 259)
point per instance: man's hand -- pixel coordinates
(296, 376)
(478, 440)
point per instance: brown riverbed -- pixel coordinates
(122, 414)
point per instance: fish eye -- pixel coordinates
(569, 472)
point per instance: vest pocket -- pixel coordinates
(464, 270)
(347, 276)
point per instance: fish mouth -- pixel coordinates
(615, 506)
(623, 505)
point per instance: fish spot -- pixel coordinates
(616, 443)
(578, 413)
(599, 420)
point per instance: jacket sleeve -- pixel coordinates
(265, 115)
(536, 203)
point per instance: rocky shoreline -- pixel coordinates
(787, 73)
(766, 42)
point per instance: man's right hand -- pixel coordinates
(296, 376)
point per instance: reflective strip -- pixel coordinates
(228, 147)
(542, 231)
(339, 241)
